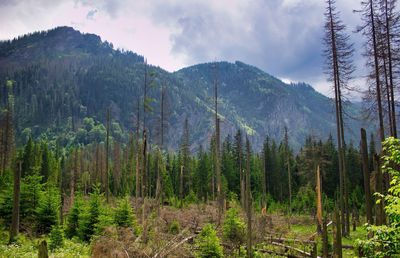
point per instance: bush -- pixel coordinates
(73, 218)
(47, 212)
(210, 244)
(174, 228)
(90, 217)
(105, 220)
(385, 240)
(190, 198)
(56, 238)
(234, 228)
(123, 216)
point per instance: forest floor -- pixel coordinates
(159, 239)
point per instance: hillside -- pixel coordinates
(62, 81)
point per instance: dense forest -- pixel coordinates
(104, 155)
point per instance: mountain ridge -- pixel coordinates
(84, 75)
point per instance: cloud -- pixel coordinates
(90, 14)
(282, 37)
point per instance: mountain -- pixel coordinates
(61, 82)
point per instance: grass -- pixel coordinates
(27, 247)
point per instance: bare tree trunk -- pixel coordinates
(288, 164)
(137, 177)
(364, 153)
(107, 153)
(339, 138)
(345, 185)
(15, 211)
(337, 235)
(379, 210)
(181, 188)
(378, 87)
(264, 187)
(319, 200)
(249, 203)
(144, 138)
(217, 134)
(389, 49)
(324, 239)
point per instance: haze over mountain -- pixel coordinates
(62, 81)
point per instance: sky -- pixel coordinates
(281, 37)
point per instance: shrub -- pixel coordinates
(56, 237)
(385, 240)
(73, 218)
(47, 212)
(90, 217)
(190, 198)
(210, 244)
(105, 219)
(234, 228)
(123, 216)
(174, 228)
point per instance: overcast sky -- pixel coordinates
(282, 37)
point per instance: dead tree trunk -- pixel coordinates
(15, 211)
(181, 188)
(337, 235)
(248, 198)
(379, 210)
(107, 153)
(264, 187)
(217, 134)
(364, 153)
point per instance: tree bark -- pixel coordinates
(364, 154)
(107, 154)
(181, 188)
(248, 198)
(15, 211)
(379, 210)
(217, 134)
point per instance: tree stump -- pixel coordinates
(43, 252)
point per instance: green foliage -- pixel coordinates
(91, 215)
(385, 240)
(56, 237)
(47, 211)
(123, 215)
(175, 228)
(105, 220)
(234, 228)
(209, 243)
(190, 198)
(31, 193)
(72, 226)
(305, 199)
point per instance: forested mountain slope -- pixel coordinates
(61, 82)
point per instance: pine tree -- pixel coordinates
(339, 68)
(248, 200)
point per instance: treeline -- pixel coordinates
(67, 172)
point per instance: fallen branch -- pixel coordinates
(159, 252)
(347, 246)
(127, 253)
(273, 239)
(180, 243)
(292, 248)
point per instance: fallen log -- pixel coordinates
(280, 240)
(159, 252)
(179, 244)
(292, 248)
